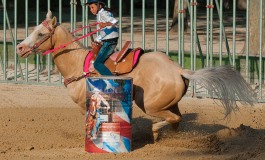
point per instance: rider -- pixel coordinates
(108, 34)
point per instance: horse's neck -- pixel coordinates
(70, 59)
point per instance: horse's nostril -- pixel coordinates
(20, 48)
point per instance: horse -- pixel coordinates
(159, 83)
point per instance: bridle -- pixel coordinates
(52, 49)
(45, 38)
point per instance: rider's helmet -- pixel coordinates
(95, 1)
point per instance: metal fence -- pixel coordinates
(214, 36)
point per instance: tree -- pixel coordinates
(254, 27)
(174, 25)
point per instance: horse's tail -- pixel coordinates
(224, 82)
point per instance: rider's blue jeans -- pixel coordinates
(104, 53)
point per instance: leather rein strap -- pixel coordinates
(85, 70)
(72, 79)
(45, 38)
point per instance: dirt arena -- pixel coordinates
(41, 122)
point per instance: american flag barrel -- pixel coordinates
(108, 114)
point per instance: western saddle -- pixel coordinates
(118, 63)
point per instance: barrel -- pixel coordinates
(108, 114)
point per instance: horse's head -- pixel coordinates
(41, 39)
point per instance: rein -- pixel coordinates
(77, 39)
(83, 27)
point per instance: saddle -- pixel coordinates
(118, 63)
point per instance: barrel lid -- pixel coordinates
(112, 77)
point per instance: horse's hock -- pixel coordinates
(108, 114)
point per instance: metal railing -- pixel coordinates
(207, 42)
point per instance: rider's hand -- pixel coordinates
(95, 44)
(102, 25)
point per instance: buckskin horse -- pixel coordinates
(159, 82)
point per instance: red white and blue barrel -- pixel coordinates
(108, 114)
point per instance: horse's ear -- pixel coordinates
(54, 21)
(49, 15)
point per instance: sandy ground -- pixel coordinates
(41, 122)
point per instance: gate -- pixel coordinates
(208, 36)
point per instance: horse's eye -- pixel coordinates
(40, 34)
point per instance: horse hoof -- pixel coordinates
(155, 135)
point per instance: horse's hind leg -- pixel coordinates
(175, 109)
(170, 118)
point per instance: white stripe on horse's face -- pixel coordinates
(35, 35)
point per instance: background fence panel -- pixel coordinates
(201, 36)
